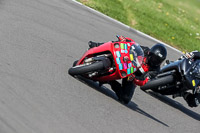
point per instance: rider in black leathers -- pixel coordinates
(192, 100)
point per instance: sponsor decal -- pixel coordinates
(125, 46)
(131, 57)
(132, 70)
(118, 54)
(129, 65)
(120, 66)
(125, 65)
(193, 82)
(118, 60)
(128, 71)
(122, 45)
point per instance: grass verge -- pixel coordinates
(174, 22)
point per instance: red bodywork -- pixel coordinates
(123, 68)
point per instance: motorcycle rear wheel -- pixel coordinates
(155, 83)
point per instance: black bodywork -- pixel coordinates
(186, 76)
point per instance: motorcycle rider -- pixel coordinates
(151, 65)
(193, 100)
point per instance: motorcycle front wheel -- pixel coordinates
(155, 83)
(85, 68)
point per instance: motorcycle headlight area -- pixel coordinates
(124, 59)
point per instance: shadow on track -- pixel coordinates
(112, 95)
(175, 104)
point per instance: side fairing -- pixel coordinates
(172, 66)
(186, 66)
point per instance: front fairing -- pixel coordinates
(108, 46)
(181, 66)
(174, 65)
(124, 63)
(128, 57)
(193, 75)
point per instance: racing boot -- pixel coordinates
(128, 88)
(125, 91)
(94, 44)
(192, 100)
(116, 87)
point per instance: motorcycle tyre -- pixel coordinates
(76, 70)
(158, 82)
(75, 62)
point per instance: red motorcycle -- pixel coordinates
(109, 61)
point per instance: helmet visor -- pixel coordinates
(154, 60)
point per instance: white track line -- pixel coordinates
(116, 21)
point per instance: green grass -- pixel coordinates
(175, 22)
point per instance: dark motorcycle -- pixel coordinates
(176, 77)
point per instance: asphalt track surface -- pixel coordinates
(39, 40)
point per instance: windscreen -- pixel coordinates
(136, 54)
(196, 71)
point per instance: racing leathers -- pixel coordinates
(193, 100)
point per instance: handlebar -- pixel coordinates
(184, 56)
(120, 38)
(117, 36)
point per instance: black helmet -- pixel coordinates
(157, 55)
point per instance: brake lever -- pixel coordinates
(117, 36)
(184, 56)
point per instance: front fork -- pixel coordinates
(104, 58)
